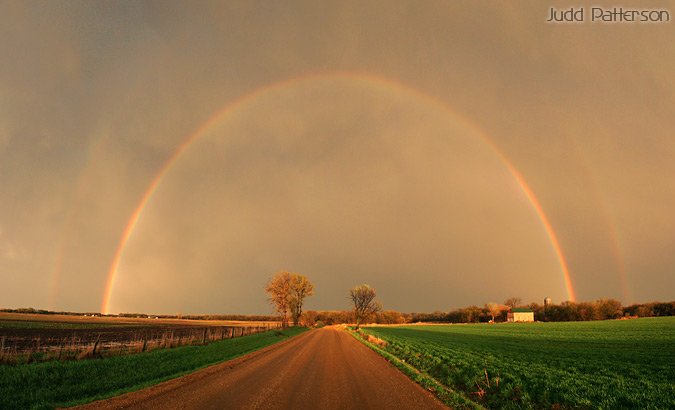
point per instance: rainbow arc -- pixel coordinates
(230, 108)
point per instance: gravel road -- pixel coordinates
(321, 369)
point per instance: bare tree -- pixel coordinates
(279, 290)
(301, 288)
(493, 309)
(363, 299)
(513, 302)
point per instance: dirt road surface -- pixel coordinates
(321, 369)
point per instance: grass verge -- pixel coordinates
(445, 394)
(54, 384)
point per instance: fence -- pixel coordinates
(25, 345)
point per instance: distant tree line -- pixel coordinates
(244, 318)
(50, 312)
(335, 317)
(600, 309)
(567, 311)
(38, 311)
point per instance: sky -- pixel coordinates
(165, 157)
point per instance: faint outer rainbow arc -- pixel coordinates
(600, 197)
(112, 273)
(83, 183)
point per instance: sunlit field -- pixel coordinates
(72, 321)
(596, 365)
(25, 338)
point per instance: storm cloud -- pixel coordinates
(363, 143)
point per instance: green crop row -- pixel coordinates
(588, 365)
(47, 385)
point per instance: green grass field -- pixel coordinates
(617, 364)
(47, 385)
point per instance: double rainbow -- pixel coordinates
(228, 109)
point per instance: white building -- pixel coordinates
(520, 315)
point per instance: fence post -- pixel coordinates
(98, 339)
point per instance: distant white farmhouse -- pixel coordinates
(520, 315)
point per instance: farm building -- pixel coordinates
(520, 315)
